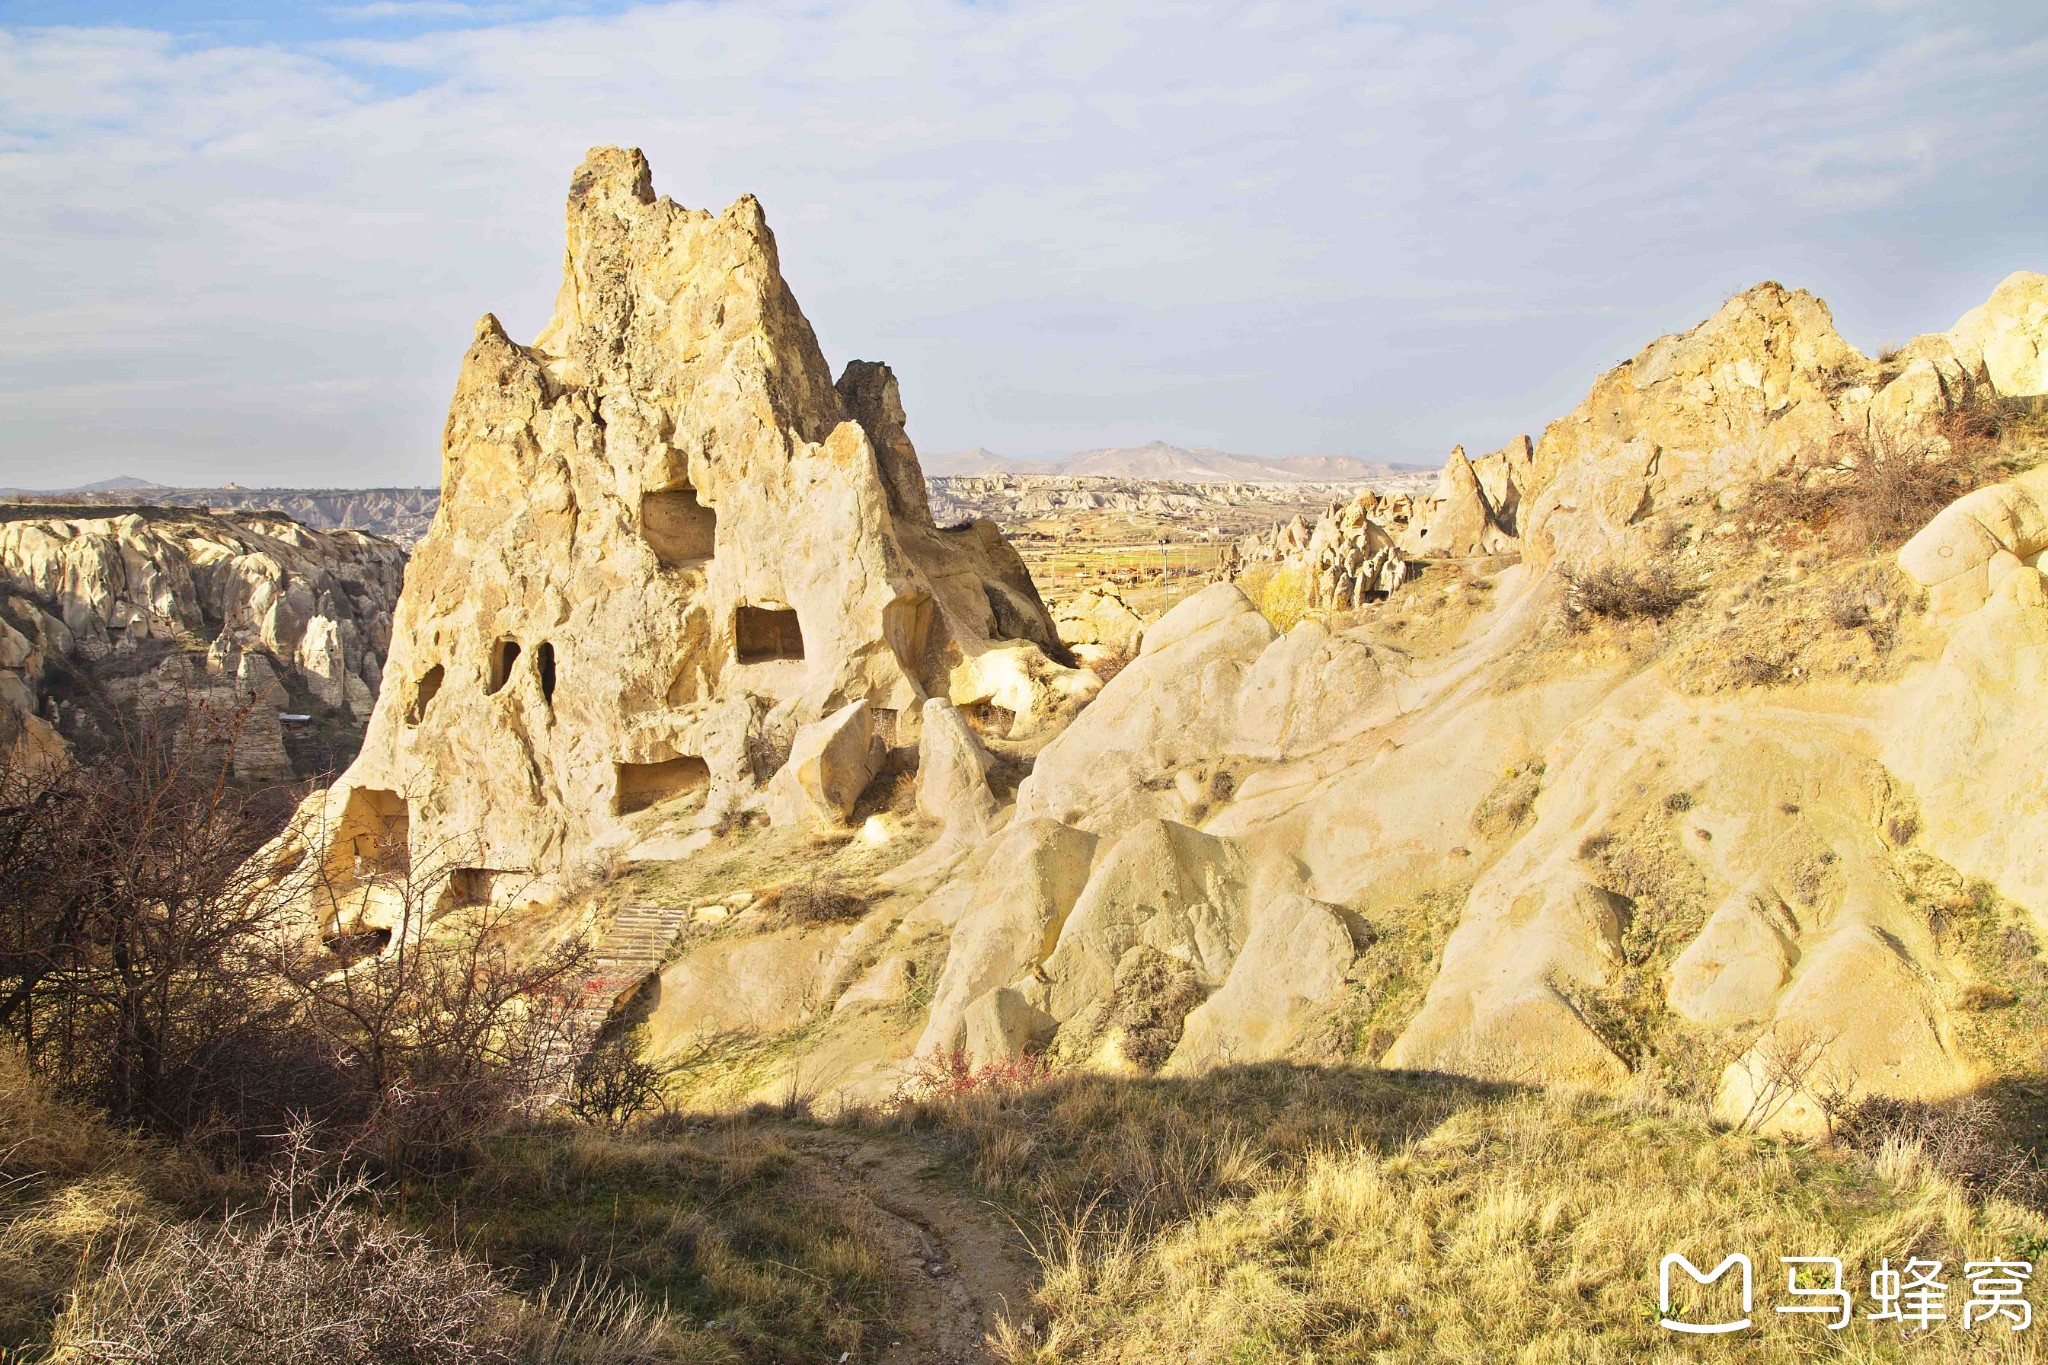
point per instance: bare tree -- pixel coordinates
(138, 967)
(440, 1022)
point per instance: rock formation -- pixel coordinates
(1249, 842)
(165, 606)
(668, 540)
(1764, 387)
(1099, 619)
(400, 515)
(1349, 556)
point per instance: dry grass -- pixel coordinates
(716, 1222)
(701, 1244)
(1276, 1214)
(816, 900)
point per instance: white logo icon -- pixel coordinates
(1664, 1292)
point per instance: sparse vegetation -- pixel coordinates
(1503, 809)
(1623, 592)
(817, 900)
(1281, 595)
(1879, 486)
(1279, 1213)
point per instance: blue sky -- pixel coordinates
(250, 242)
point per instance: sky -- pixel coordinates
(250, 242)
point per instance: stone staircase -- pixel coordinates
(627, 955)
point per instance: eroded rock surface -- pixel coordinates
(668, 540)
(163, 607)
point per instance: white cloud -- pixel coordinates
(1280, 228)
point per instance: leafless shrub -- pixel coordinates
(819, 901)
(1619, 592)
(1150, 1000)
(1108, 666)
(1750, 669)
(1783, 1067)
(137, 935)
(1884, 484)
(315, 1277)
(1964, 1139)
(617, 1083)
(447, 1032)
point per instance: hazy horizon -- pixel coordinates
(252, 250)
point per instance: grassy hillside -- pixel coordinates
(1295, 1214)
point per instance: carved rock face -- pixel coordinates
(667, 540)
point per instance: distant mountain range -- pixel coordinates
(404, 514)
(122, 484)
(1158, 460)
(401, 514)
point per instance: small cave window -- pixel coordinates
(641, 785)
(504, 654)
(375, 835)
(423, 694)
(357, 944)
(680, 530)
(470, 886)
(544, 665)
(762, 633)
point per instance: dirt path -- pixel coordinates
(962, 1266)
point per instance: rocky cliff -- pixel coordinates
(1762, 841)
(149, 605)
(1764, 389)
(673, 551)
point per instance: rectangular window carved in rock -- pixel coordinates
(641, 785)
(681, 531)
(469, 886)
(762, 633)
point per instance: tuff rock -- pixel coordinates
(669, 539)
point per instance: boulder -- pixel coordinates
(952, 775)
(1968, 733)
(2008, 334)
(1098, 617)
(888, 982)
(1291, 969)
(1170, 888)
(1857, 1021)
(830, 764)
(1307, 690)
(1172, 707)
(1958, 555)
(760, 985)
(1003, 1024)
(1004, 914)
